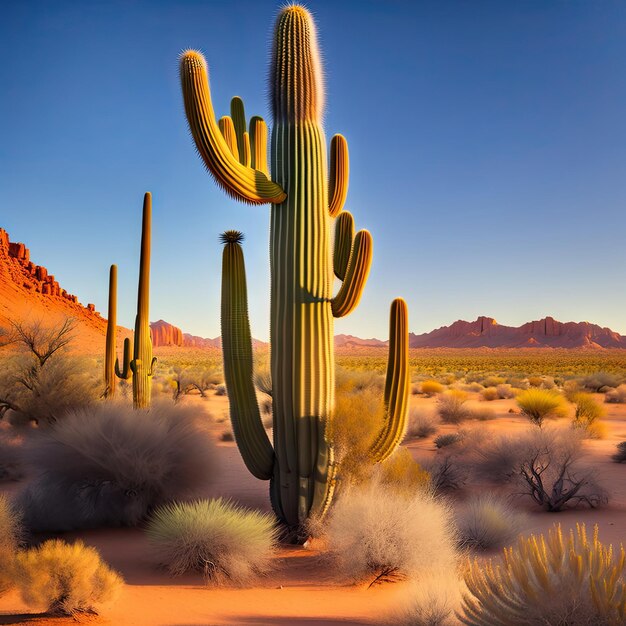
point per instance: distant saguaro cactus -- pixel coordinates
(142, 364)
(109, 357)
(304, 196)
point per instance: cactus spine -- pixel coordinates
(142, 364)
(109, 358)
(304, 196)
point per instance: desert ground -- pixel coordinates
(302, 589)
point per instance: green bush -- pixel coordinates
(588, 412)
(223, 541)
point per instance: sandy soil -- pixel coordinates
(302, 591)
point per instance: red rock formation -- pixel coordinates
(165, 334)
(547, 332)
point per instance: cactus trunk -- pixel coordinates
(305, 195)
(110, 379)
(143, 363)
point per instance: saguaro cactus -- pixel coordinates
(304, 197)
(142, 364)
(109, 357)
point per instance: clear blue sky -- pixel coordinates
(487, 143)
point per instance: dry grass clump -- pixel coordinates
(601, 381)
(620, 455)
(452, 406)
(588, 414)
(490, 393)
(446, 474)
(489, 522)
(10, 536)
(422, 423)
(431, 387)
(506, 391)
(374, 534)
(401, 472)
(560, 580)
(493, 381)
(616, 396)
(65, 579)
(431, 601)
(539, 404)
(223, 541)
(110, 465)
(448, 439)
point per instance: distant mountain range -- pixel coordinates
(484, 332)
(29, 290)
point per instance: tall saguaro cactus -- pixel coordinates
(304, 197)
(142, 364)
(109, 357)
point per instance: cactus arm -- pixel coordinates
(238, 114)
(124, 373)
(258, 144)
(348, 297)
(252, 441)
(396, 384)
(109, 359)
(247, 154)
(227, 128)
(241, 182)
(344, 236)
(339, 175)
(142, 364)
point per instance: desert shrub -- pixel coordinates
(201, 379)
(431, 387)
(227, 435)
(600, 381)
(570, 389)
(220, 390)
(489, 394)
(548, 468)
(401, 472)
(616, 396)
(357, 420)
(421, 424)
(352, 380)
(588, 412)
(620, 455)
(446, 474)
(10, 536)
(223, 541)
(452, 407)
(535, 381)
(473, 387)
(65, 578)
(432, 601)
(506, 391)
(11, 465)
(495, 458)
(493, 381)
(489, 522)
(263, 380)
(109, 465)
(482, 413)
(42, 382)
(554, 581)
(447, 439)
(374, 534)
(539, 404)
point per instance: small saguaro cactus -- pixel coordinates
(142, 364)
(109, 358)
(304, 197)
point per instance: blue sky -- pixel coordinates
(487, 144)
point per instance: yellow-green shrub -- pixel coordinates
(588, 412)
(489, 394)
(431, 387)
(64, 578)
(539, 404)
(549, 581)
